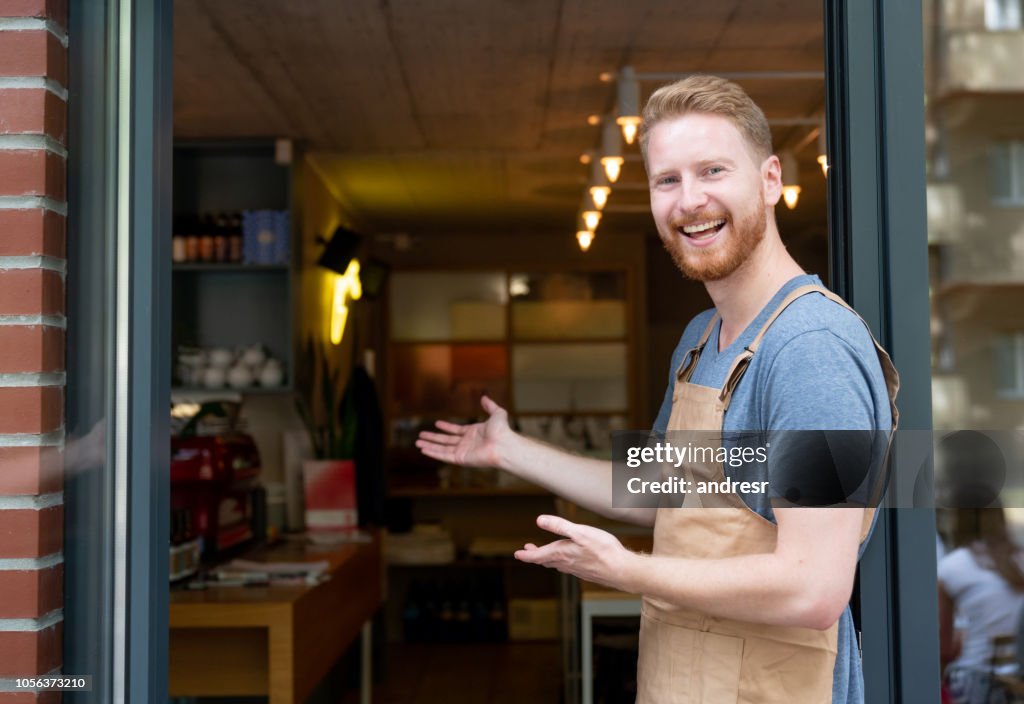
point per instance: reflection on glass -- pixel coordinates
(976, 254)
(448, 306)
(570, 377)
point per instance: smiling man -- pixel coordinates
(746, 601)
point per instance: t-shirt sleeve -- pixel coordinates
(820, 418)
(818, 382)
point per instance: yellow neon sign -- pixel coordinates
(347, 287)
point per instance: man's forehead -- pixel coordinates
(697, 136)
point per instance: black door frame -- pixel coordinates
(119, 193)
(878, 243)
(879, 255)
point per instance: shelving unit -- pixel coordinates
(230, 304)
(555, 348)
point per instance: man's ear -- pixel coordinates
(771, 178)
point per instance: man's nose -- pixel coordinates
(692, 198)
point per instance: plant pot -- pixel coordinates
(330, 493)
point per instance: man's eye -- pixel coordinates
(714, 170)
(664, 180)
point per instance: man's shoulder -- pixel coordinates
(828, 322)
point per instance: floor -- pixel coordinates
(506, 673)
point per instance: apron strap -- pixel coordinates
(689, 363)
(892, 381)
(742, 361)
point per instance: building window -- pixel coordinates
(1002, 14)
(1009, 366)
(1007, 173)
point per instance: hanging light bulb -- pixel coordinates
(823, 151)
(599, 188)
(585, 239)
(589, 211)
(611, 151)
(790, 179)
(628, 104)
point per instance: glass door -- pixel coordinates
(115, 456)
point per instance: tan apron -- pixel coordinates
(689, 657)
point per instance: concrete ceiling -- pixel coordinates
(427, 115)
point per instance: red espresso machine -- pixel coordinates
(214, 496)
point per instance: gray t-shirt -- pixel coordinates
(816, 368)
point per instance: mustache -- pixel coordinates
(703, 216)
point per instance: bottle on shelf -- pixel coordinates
(206, 238)
(235, 238)
(220, 238)
(192, 239)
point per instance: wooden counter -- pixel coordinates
(273, 641)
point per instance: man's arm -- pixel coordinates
(806, 582)
(584, 481)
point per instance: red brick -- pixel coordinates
(31, 348)
(31, 470)
(56, 10)
(26, 532)
(30, 653)
(29, 698)
(34, 53)
(31, 409)
(33, 111)
(31, 593)
(32, 231)
(31, 292)
(33, 172)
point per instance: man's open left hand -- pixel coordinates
(587, 552)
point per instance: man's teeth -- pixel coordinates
(702, 227)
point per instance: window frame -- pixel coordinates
(878, 250)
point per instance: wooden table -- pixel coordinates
(275, 641)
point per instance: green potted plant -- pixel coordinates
(331, 420)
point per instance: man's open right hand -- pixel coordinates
(475, 445)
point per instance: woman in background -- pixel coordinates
(981, 587)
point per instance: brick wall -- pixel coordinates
(33, 206)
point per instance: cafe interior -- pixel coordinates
(382, 212)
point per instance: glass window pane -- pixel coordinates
(978, 379)
(448, 306)
(1001, 174)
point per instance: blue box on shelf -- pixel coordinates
(265, 236)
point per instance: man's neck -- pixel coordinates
(740, 296)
